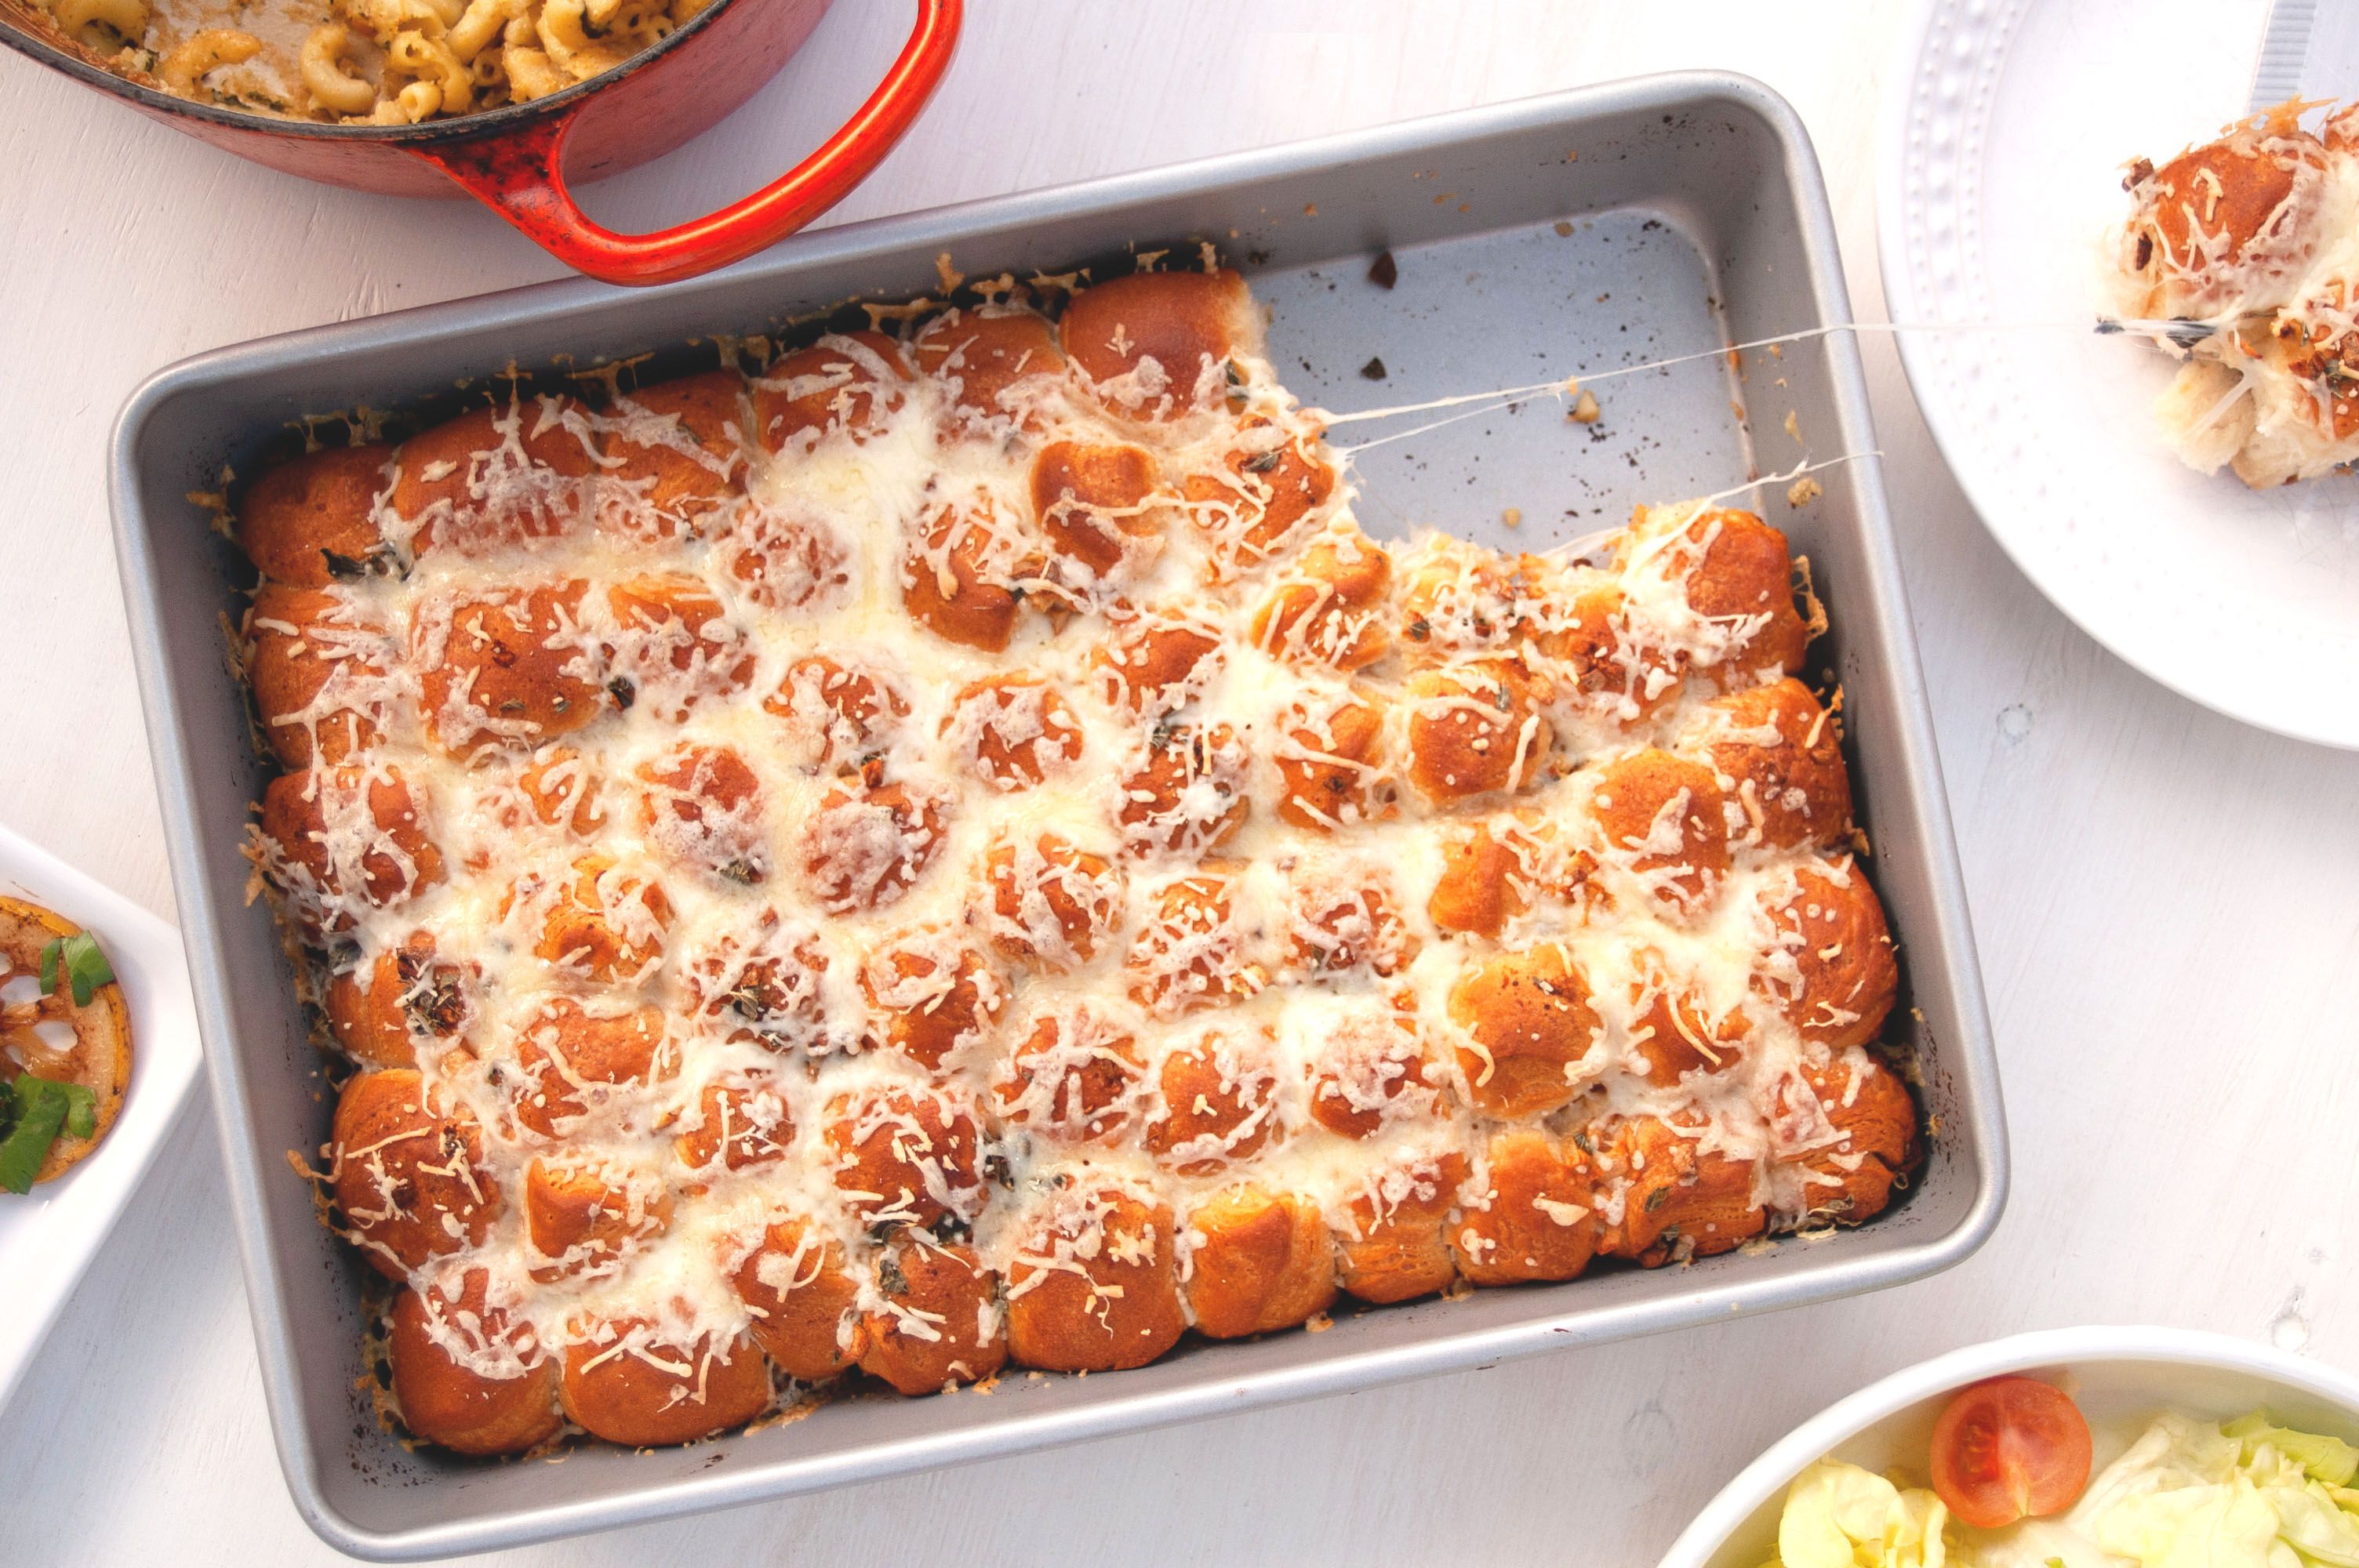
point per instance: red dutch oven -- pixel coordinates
(517, 158)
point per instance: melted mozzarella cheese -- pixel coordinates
(862, 503)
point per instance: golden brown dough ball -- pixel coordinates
(1389, 1244)
(1856, 1126)
(366, 1013)
(1075, 1079)
(1676, 1200)
(1673, 1032)
(562, 788)
(997, 363)
(507, 666)
(312, 521)
(847, 381)
(495, 476)
(674, 646)
(762, 981)
(333, 835)
(1843, 977)
(377, 1012)
(1599, 652)
(801, 1299)
(1096, 509)
(1053, 904)
(1347, 922)
(675, 455)
(1497, 868)
(1189, 953)
(584, 1219)
(2218, 229)
(1529, 1024)
(1158, 663)
(1480, 888)
(571, 1062)
(1155, 345)
(1093, 1286)
(1373, 1068)
(1776, 753)
(933, 995)
(742, 1122)
(1664, 818)
(1475, 729)
(1739, 576)
(940, 1322)
(1262, 1262)
(625, 1382)
(904, 1156)
(409, 1173)
(496, 1395)
(1530, 1213)
(789, 559)
(602, 921)
(1328, 609)
(1219, 1101)
(836, 712)
(2309, 345)
(317, 666)
(867, 846)
(1330, 764)
(702, 807)
(1457, 597)
(965, 574)
(1013, 731)
(1189, 792)
(1269, 488)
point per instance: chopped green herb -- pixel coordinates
(42, 1109)
(85, 967)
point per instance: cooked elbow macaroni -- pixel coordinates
(331, 86)
(367, 61)
(208, 51)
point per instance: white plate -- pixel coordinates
(2116, 1375)
(48, 1236)
(2004, 128)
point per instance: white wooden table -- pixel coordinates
(2167, 904)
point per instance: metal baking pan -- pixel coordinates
(1572, 233)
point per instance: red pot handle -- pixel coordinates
(522, 177)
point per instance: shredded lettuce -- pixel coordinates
(1840, 1516)
(2187, 1494)
(2327, 1459)
(2247, 1494)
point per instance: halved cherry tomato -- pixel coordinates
(2008, 1449)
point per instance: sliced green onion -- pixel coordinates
(82, 1112)
(43, 1109)
(85, 967)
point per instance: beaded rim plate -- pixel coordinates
(2004, 127)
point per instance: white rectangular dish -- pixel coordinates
(48, 1236)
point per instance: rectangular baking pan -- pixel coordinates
(1601, 227)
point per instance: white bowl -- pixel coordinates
(50, 1236)
(2116, 1374)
